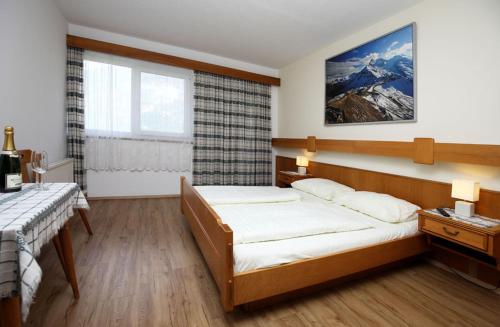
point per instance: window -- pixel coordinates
(162, 104)
(108, 95)
(136, 99)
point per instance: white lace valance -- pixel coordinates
(111, 154)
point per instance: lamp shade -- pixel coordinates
(302, 161)
(465, 190)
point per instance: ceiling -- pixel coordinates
(270, 33)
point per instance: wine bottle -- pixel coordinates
(10, 164)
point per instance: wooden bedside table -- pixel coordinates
(485, 241)
(286, 178)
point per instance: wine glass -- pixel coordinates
(39, 165)
(34, 167)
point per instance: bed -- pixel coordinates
(243, 275)
(248, 256)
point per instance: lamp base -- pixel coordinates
(302, 171)
(464, 208)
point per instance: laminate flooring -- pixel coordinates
(143, 268)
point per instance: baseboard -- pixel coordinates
(131, 197)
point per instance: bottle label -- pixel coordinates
(13, 181)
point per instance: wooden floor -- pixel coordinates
(143, 268)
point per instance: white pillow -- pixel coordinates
(381, 206)
(322, 188)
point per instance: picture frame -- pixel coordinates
(374, 82)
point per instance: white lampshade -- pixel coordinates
(465, 190)
(302, 161)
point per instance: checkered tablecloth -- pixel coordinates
(28, 220)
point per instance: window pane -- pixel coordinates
(108, 92)
(162, 104)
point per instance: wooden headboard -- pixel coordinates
(425, 193)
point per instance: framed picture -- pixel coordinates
(374, 82)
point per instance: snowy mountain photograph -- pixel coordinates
(372, 82)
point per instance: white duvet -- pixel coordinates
(216, 195)
(279, 221)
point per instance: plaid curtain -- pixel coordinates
(74, 112)
(232, 131)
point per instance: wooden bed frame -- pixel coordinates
(258, 286)
(215, 240)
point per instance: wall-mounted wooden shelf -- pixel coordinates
(421, 150)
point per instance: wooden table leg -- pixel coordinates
(85, 219)
(67, 251)
(10, 312)
(57, 244)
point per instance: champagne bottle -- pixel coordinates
(10, 164)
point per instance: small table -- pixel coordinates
(485, 240)
(29, 219)
(286, 178)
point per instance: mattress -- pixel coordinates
(260, 255)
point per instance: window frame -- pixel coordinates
(137, 68)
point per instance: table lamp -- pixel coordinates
(465, 190)
(302, 162)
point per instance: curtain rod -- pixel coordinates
(161, 58)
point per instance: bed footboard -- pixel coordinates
(214, 239)
(264, 283)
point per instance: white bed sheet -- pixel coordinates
(308, 197)
(219, 195)
(273, 253)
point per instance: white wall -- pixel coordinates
(32, 74)
(112, 184)
(458, 90)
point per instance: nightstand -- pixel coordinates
(286, 178)
(445, 232)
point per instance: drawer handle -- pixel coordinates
(450, 233)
